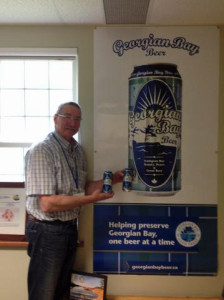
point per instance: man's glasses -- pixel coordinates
(70, 118)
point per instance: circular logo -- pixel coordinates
(188, 234)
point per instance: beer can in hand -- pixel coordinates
(127, 181)
(107, 182)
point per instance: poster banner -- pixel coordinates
(156, 112)
(155, 239)
(127, 103)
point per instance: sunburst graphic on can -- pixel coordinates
(154, 98)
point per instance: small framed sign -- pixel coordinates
(88, 286)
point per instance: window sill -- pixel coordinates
(12, 184)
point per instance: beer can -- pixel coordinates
(154, 134)
(107, 182)
(127, 181)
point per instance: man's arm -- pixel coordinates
(51, 203)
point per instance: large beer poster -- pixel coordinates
(156, 112)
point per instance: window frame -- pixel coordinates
(38, 53)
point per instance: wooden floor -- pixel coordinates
(157, 298)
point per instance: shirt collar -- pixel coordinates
(67, 145)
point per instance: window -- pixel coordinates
(33, 82)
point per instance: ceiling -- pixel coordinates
(103, 12)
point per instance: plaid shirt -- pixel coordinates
(48, 170)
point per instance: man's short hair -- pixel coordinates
(75, 104)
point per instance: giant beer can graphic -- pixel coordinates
(155, 129)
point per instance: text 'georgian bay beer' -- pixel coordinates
(155, 128)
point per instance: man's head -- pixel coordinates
(67, 119)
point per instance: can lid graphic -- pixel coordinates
(155, 128)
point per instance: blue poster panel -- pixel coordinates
(155, 239)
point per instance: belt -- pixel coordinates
(53, 222)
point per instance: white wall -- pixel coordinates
(14, 261)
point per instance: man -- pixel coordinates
(56, 188)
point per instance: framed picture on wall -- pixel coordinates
(88, 286)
